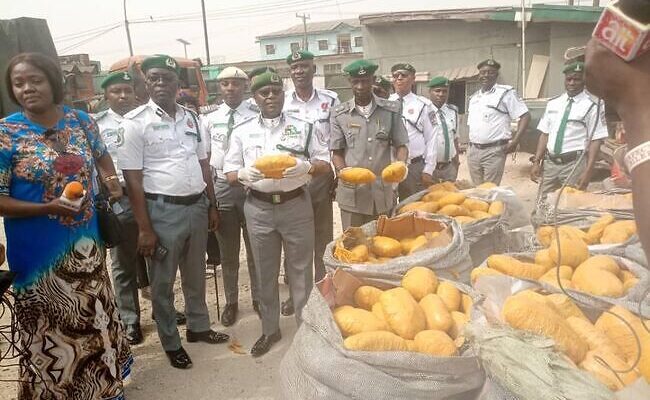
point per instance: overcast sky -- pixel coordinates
(94, 27)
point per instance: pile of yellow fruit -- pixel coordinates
(422, 315)
(609, 339)
(444, 198)
(606, 230)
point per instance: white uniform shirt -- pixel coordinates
(415, 114)
(315, 110)
(582, 119)
(254, 138)
(450, 114)
(215, 125)
(490, 114)
(108, 123)
(166, 149)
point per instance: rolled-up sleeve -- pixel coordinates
(130, 154)
(234, 158)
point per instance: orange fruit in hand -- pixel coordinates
(73, 190)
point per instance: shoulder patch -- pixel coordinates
(343, 107)
(135, 112)
(389, 105)
(329, 93)
(453, 107)
(99, 115)
(253, 107)
(245, 120)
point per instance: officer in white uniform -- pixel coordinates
(490, 111)
(313, 105)
(422, 144)
(565, 130)
(219, 124)
(165, 165)
(278, 211)
(444, 117)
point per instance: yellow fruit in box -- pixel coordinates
(426, 206)
(604, 262)
(487, 185)
(566, 272)
(597, 229)
(453, 210)
(496, 208)
(618, 232)
(482, 271)
(459, 322)
(476, 205)
(594, 337)
(597, 281)
(463, 219)
(351, 321)
(434, 196)
(378, 310)
(614, 381)
(480, 214)
(358, 254)
(273, 166)
(513, 267)
(384, 246)
(466, 303)
(443, 186)
(573, 251)
(550, 277)
(402, 313)
(357, 175)
(394, 172)
(420, 281)
(452, 198)
(436, 343)
(375, 341)
(543, 257)
(536, 317)
(565, 306)
(544, 235)
(436, 313)
(577, 232)
(366, 296)
(450, 295)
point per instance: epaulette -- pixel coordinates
(189, 110)
(135, 112)
(297, 116)
(389, 105)
(503, 87)
(556, 97)
(214, 109)
(329, 93)
(244, 121)
(253, 107)
(424, 100)
(99, 115)
(592, 97)
(344, 107)
(209, 108)
(453, 107)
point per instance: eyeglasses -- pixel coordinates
(152, 79)
(270, 91)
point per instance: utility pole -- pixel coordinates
(205, 34)
(523, 48)
(128, 33)
(184, 43)
(304, 17)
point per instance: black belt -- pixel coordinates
(277, 197)
(564, 158)
(180, 200)
(417, 159)
(442, 165)
(488, 145)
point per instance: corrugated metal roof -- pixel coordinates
(312, 27)
(453, 74)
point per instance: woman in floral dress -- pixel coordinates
(69, 324)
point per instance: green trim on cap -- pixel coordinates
(299, 55)
(265, 79)
(160, 61)
(260, 70)
(402, 67)
(577, 66)
(361, 68)
(117, 77)
(438, 81)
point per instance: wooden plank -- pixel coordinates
(536, 75)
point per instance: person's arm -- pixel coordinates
(542, 142)
(234, 159)
(14, 208)
(402, 153)
(147, 238)
(516, 109)
(400, 138)
(338, 160)
(456, 158)
(108, 176)
(213, 211)
(431, 147)
(522, 125)
(592, 153)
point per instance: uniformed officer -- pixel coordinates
(220, 123)
(445, 123)
(314, 105)
(565, 130)
(381, 87)
(366, 131)
(278, 211)
(165, 165)
(490, 111)
(422, 144)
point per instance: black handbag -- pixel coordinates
(110, 226)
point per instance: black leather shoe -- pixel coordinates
(179, 359)
(287, 307)
(133, 334)
(229, 315)
(180, 317)
(256, 308)
(264, 343)
(209, 336)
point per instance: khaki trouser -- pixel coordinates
(486, 165)
(554, 175)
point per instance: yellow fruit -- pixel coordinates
(462, 219)
(434, 195)
(594, 337)
(482, 271)
(436, 313)
(496, 208)
(410, 345)
(629, 284)
(459, 322)
(536, 317)
(543, 257)
(544, 235)
(612, 380)
(566, 273)
(359, 253)
(366, 296)
(513, 267)
(357, 175)
(596, 229)
(420, 281)
(443, 186)
(452, 198)
(480, 214)
(466, 303)
(272, 166)
(418, 244)
(487, 185)
(618, 232)
(453, 210)
(426, 206)
(573, 251)
(378, 310)
(402, 312)
(596, 281)
(565, 306)
(436, 343)
(450, 295)
(383, 246)
(351, 321)
(627, 275)
(476, 205)
(577, 232)
(375, 341)
(604, 262)
(394, 172)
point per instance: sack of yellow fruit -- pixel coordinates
(390, 246)
(336, 335)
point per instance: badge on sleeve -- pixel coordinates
(324, 106)
(190, 124)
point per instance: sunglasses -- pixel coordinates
(270, 91)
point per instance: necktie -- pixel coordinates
(559, 138)
(445, 133)
(231, 122)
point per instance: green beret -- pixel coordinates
(382, 82)
(361, 68)
(265, 79)
(438, 81)
(117, 77)
(299, 55)
(260, 70)
(577, 66)
(402, 67)
(490, 62)
(160, 61)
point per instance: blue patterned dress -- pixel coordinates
(68, 319)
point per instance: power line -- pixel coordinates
(78, 44)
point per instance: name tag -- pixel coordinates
(255, 135)
(159, 127)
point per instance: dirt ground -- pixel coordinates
(218, 372)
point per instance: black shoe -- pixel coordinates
(287, 307)
(180, 317)
(133, 334)
(209, 336)
(256, 308)
(264, 343)
(229, 315)
(179, 359)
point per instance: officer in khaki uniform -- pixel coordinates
(278, 211)
(444, 117)
(565, 128)
(366, 131)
